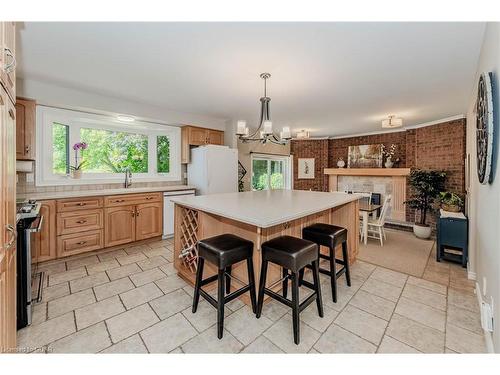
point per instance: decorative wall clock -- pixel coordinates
(484, 128)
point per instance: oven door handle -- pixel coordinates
(36, 225)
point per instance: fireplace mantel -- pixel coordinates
(379, 172)
(397, 175)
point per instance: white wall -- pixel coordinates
(64, 97)
(484, 200)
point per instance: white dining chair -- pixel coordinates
(366, 197)
(376, 226)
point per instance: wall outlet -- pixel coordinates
(30, 177)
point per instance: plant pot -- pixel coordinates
(422, 231)
(77, 174)
(389, 163)
(450, 207)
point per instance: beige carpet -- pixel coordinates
(402, 252)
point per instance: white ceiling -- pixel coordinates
(330, 78)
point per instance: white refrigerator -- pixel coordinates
(213, 169)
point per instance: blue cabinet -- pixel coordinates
(452, 239)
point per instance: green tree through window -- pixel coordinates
(114, 152)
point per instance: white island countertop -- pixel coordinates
(266, 208)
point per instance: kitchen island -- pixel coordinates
(257, 216)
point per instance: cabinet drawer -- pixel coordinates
(130, 199)
(80, 221)
(70, 205)
(77, 243)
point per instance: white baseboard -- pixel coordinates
(471, 275)
(487, 335)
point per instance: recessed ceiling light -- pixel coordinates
(125, 118)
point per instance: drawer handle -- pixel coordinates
(81, 204)
(149, 198)
(119, 200)
(81, 221)
(81, 243)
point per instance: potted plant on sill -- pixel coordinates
(77, 168)
(426, 186)
(450, 201)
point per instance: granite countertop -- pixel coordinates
(266, 208)
(102, 192)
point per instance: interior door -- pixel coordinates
(119, 225)
(148, 220)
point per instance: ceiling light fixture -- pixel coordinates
(266, 134)
(303, 134)
(392, 122)
(124, 118)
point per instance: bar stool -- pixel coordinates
(293, 254)
(330, 236)
(223, 251)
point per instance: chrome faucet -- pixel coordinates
(128, 178)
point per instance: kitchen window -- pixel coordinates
(271, 172)
(150, 151)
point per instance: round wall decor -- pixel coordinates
(484, 128)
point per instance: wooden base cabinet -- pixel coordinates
(119, 224)
(44, 247)
(126, 224)
(148, 220)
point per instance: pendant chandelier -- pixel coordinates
(264, 132)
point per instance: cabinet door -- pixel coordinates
(148, 220)
(185, 151)
(25, 129)
(9, 51)
(197, 136)
(45, 240)
(119, 225)
(7, 224)
(215, 137)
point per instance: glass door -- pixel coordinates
(271, 172)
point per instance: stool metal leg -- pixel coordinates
(295, 308)
(317, 285)
(197, 285)
(220, 304)
(262, 284)
(228, 279)
(333, 274)
(284, 274)
(345, 255)
(251, 283)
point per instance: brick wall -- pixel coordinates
(440, 146)
(317, 149)
(339, 147)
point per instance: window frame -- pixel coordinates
(75, 120)
(287, 174)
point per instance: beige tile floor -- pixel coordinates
(131, 301)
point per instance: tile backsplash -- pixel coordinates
(24, 187)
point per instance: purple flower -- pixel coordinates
(80, 146)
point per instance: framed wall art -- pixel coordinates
(306, 168)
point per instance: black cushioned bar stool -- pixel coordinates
(223, 251)
(293, 254)
(330, 236)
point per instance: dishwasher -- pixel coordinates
(168, 210)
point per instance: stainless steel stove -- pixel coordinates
(29, 221)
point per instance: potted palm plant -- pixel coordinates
(426, 186)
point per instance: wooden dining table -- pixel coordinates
(365, 210)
